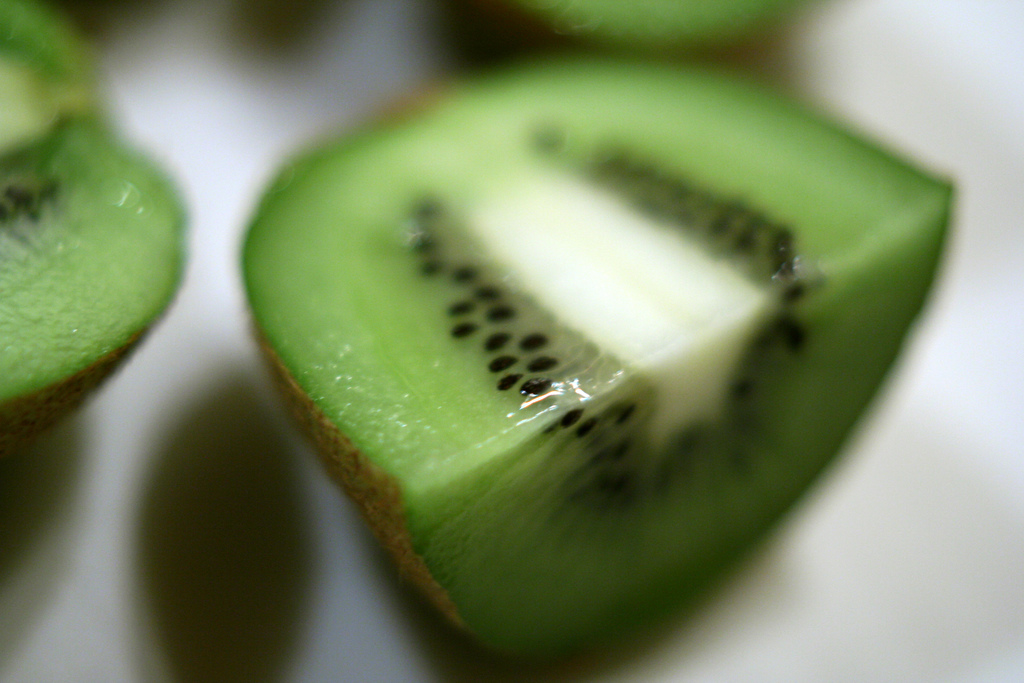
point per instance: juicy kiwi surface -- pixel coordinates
(643, 25)
(90, 254)
(577, 334)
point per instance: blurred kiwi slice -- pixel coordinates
(495, 27)
(90, 232)
(578, 333)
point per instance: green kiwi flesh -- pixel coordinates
(577, 334)
(642, 26)
(90, 255)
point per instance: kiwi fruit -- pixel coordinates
(90, 232)
(496, 27)
(575, 334)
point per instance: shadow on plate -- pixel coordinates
(38, 490)
(224, 554)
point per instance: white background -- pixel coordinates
(178, 530)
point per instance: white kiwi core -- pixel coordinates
(642, 290)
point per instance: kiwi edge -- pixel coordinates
(377, 494)
(22, 417)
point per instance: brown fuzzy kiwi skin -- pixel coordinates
(377, 494)
(24, 417)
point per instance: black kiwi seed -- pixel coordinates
(497, 340)
(424, 215)
(487, 293)
(502, 363)
(422, 242)
(699, 212)
(541, 364)
(737, 227)
(681, 193)
(532, 342)
(683, 459)
(427, 210)
(499, 313)
(724, 223)
(612, 453)
(431, 268)
(793, 291)
(464, 274)
(626, 413)
(25, 200)
(618, 451)
(792, 332)
(535, 386)
(18, 197)
(461, 308)
(747, 237)
(508, 381)
(742, 388)
(572, 417)
(646, 174)
(586, 427)
(784, 243)
(463, 330)
(613, 165)
(618, 486)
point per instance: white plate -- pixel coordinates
(177, 529)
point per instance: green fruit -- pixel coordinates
(579, 333)
(645, 25)
(90, 232)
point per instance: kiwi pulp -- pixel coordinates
(578, 334)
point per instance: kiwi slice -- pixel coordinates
(640, 26)
(575, 335)
(90, 232)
